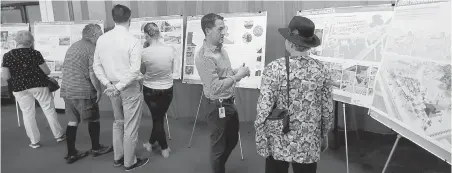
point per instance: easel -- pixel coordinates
(345, 133)
(336, 130)
(194, 125)
(167, 125)
(17, 113)
(391, 153)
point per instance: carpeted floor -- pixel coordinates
(366, 155)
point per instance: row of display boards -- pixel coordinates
(394, 60)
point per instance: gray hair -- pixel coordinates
(90, 30)
(24, 38)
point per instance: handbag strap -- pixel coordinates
(288, 83)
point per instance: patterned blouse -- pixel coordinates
(23, 65)
(311, 110)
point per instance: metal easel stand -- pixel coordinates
(336, 129)
(174, 115)
(345, 132)
(194, 125)
(167, 125)
(392, 152)
(167, 121)
(17, 112)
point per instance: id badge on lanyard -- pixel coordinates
(221, 111)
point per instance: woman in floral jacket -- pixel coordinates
(310, 106)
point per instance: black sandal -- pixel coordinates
(78, 156)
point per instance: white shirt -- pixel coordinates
(117, 58)
(158, 61)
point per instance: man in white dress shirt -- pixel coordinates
(117, 62)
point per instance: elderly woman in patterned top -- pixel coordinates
(26, 71)
(299, 138)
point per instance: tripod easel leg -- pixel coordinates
(240, 144)
(196, 119)
(391, 153)
(345, 132)
(17, 112)
(167, 125)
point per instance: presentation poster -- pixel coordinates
(8, 33)
(53, 39)
(171, 29)
(414, 81)
(352, 45)
(244, 43)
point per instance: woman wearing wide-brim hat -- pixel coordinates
(300, 134)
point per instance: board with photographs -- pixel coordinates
(352, 45)
(413, 89)
(244, 42)
(171, 29)
(53, 39)
(8, 33)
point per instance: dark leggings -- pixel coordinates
(278, 166)
(158, 102)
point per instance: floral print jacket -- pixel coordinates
(310, 111)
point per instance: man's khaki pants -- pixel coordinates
(127, 109)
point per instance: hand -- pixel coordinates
(242, 72)
(111, 91)
(324, 143)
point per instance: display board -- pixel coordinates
(413, 91)
(244, 42)
(8, 33)
(53, 39)
(352, 45)
(171, 29)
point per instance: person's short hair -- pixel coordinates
(121, 13)
(90, 30)
(208, 21)
(151, 29)
(24, 38)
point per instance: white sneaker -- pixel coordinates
(61, 139)
(34, 145)
(165, 152)
(148, 146)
